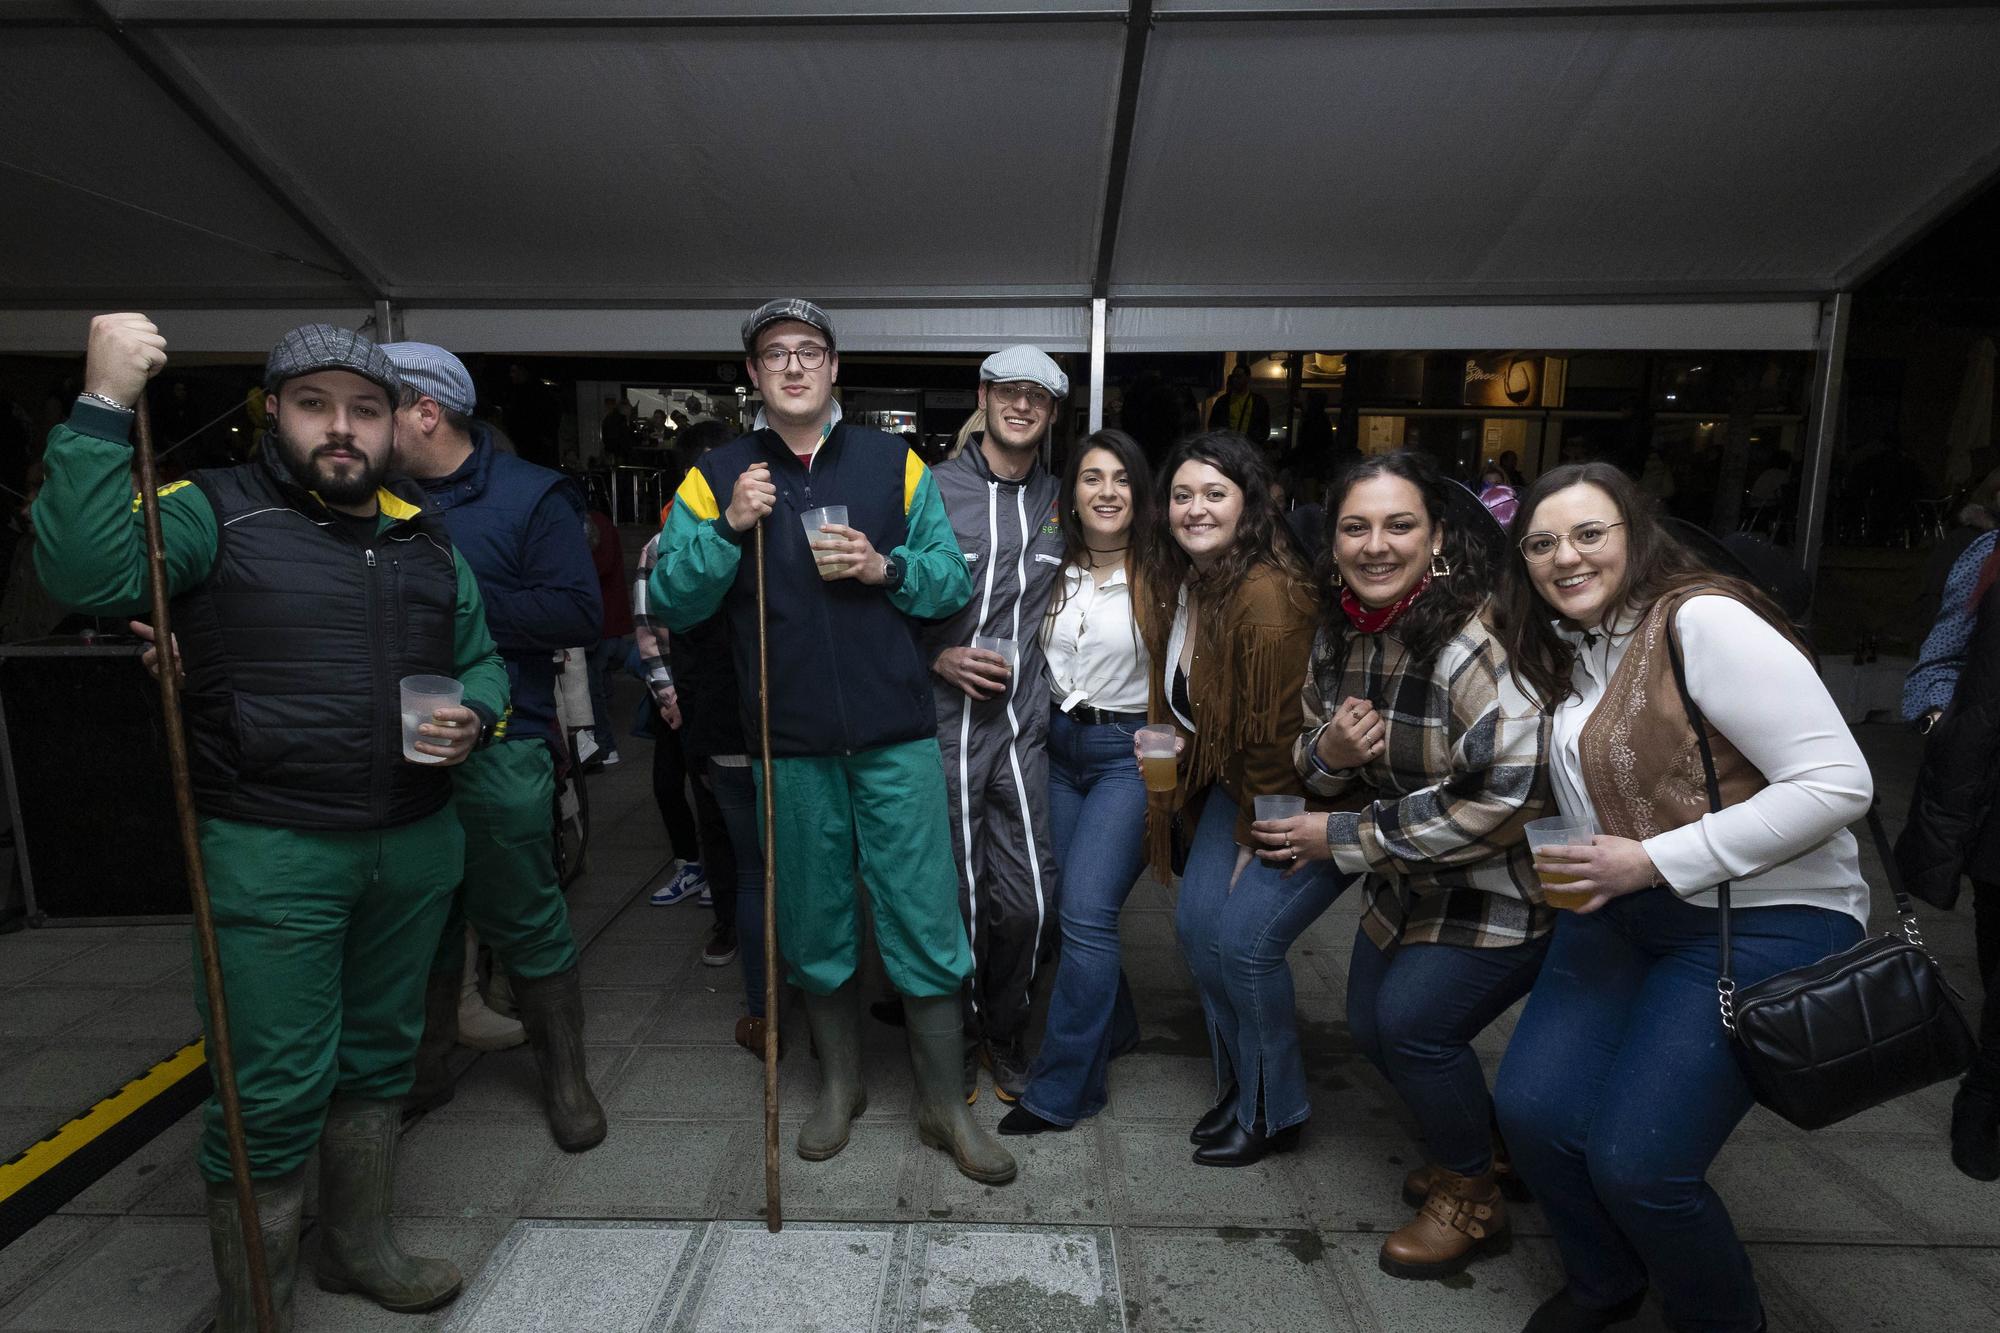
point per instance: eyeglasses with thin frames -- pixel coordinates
(774, 359)
(1538, 548)
(1006, 395)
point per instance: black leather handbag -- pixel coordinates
(1856, 1029)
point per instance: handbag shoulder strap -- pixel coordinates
(1725, 984)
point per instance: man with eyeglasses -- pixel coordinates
(992, 694)
(856, 782)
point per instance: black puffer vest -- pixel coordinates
(295, 646)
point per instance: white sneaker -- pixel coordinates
(610, 758)
(481, 1028)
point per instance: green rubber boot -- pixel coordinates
(835, 1021)
(937, 1053)
(552, 1012)
(357, 1246)
(433, 1085)
(280, 1200)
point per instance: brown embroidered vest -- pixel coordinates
(1641, 762)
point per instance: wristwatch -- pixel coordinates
(892, 573)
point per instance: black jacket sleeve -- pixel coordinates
(1960, 775)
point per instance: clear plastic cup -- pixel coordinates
(1560, 831)
(1278, 807)
(422, 695)
(1156, 757)
(813, 520)
(1007, 648)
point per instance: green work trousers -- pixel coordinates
(881, 814)
(323, 938)
(506, 802)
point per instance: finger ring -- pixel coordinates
(1288, 840)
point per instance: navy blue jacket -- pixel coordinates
(522, 529)
(846, 671)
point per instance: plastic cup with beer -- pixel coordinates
(988, 643)
(813, 520)
(1157, 759)
(1277, 807)
(1560, 831)
(422, 695)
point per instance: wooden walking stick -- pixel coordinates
(774, 1216)
(221, 1058)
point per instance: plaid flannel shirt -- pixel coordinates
(1461, 773)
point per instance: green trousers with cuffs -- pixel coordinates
(881, 814)
(324, 940)
(505, 795)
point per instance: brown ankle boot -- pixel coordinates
(1417, 1184)
(1463, 1219)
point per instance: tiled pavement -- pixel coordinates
(1109, 1227)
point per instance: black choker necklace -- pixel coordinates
(1108, 550)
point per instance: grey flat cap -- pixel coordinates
(311, 347)
(434, 373)
(1024, 362)
(777, 312)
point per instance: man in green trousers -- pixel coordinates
(305, 589)
(858, 781)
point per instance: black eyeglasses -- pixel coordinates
(774, 359)
(1538, 548)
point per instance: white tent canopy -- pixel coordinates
(577, 175)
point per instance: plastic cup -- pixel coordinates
(813, 519)
(988, 643)
(1157, 759)
(422, 695)
(1560, 831)
(1278, 807)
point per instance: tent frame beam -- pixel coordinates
(184, 90)
(1829, 385)
(1132, 70)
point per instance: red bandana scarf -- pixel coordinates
(1374, 622)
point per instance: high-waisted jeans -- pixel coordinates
(1235, 941)
(1414, 1012)
(1620, 1087)
(1095, 791)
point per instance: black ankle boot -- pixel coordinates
(1218, 1120)
(1238, 1147)
(1975, 1133)
(1021, 1120)
(1561, 1314)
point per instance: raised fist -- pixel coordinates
(125, 351)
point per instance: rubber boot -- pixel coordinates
(480, 1027)
(280, 1200)
(835, 1022)
(433, 1085)
(937, 1053)
(357, 1244)
(1464, 1218)
(552, 1012)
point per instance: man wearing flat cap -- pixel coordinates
(856, 784)
(521, 528)
(993, 702)
(306, 586)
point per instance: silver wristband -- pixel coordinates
(102, 401)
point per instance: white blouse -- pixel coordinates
(1789, 843)
(1096, 658)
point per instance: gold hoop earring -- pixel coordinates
(1440, 567)
(1337, 581)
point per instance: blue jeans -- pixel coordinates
(1620, 1087)
(1095, 787)
(735, 793)
(1235, 941)
(602, 658)
(1414, 1013)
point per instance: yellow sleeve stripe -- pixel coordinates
(913, 475)
(163, 492)
(699, 499)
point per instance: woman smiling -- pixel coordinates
(1415, 714)
(1230, 674)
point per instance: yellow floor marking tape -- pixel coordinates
(51, 1152)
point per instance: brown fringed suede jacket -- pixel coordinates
(1244, 684)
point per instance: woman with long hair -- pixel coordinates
(1413, 713)
(1620, 1085)
(1238, 631)
(1099, 673)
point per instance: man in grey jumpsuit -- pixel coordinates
(992, 712)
